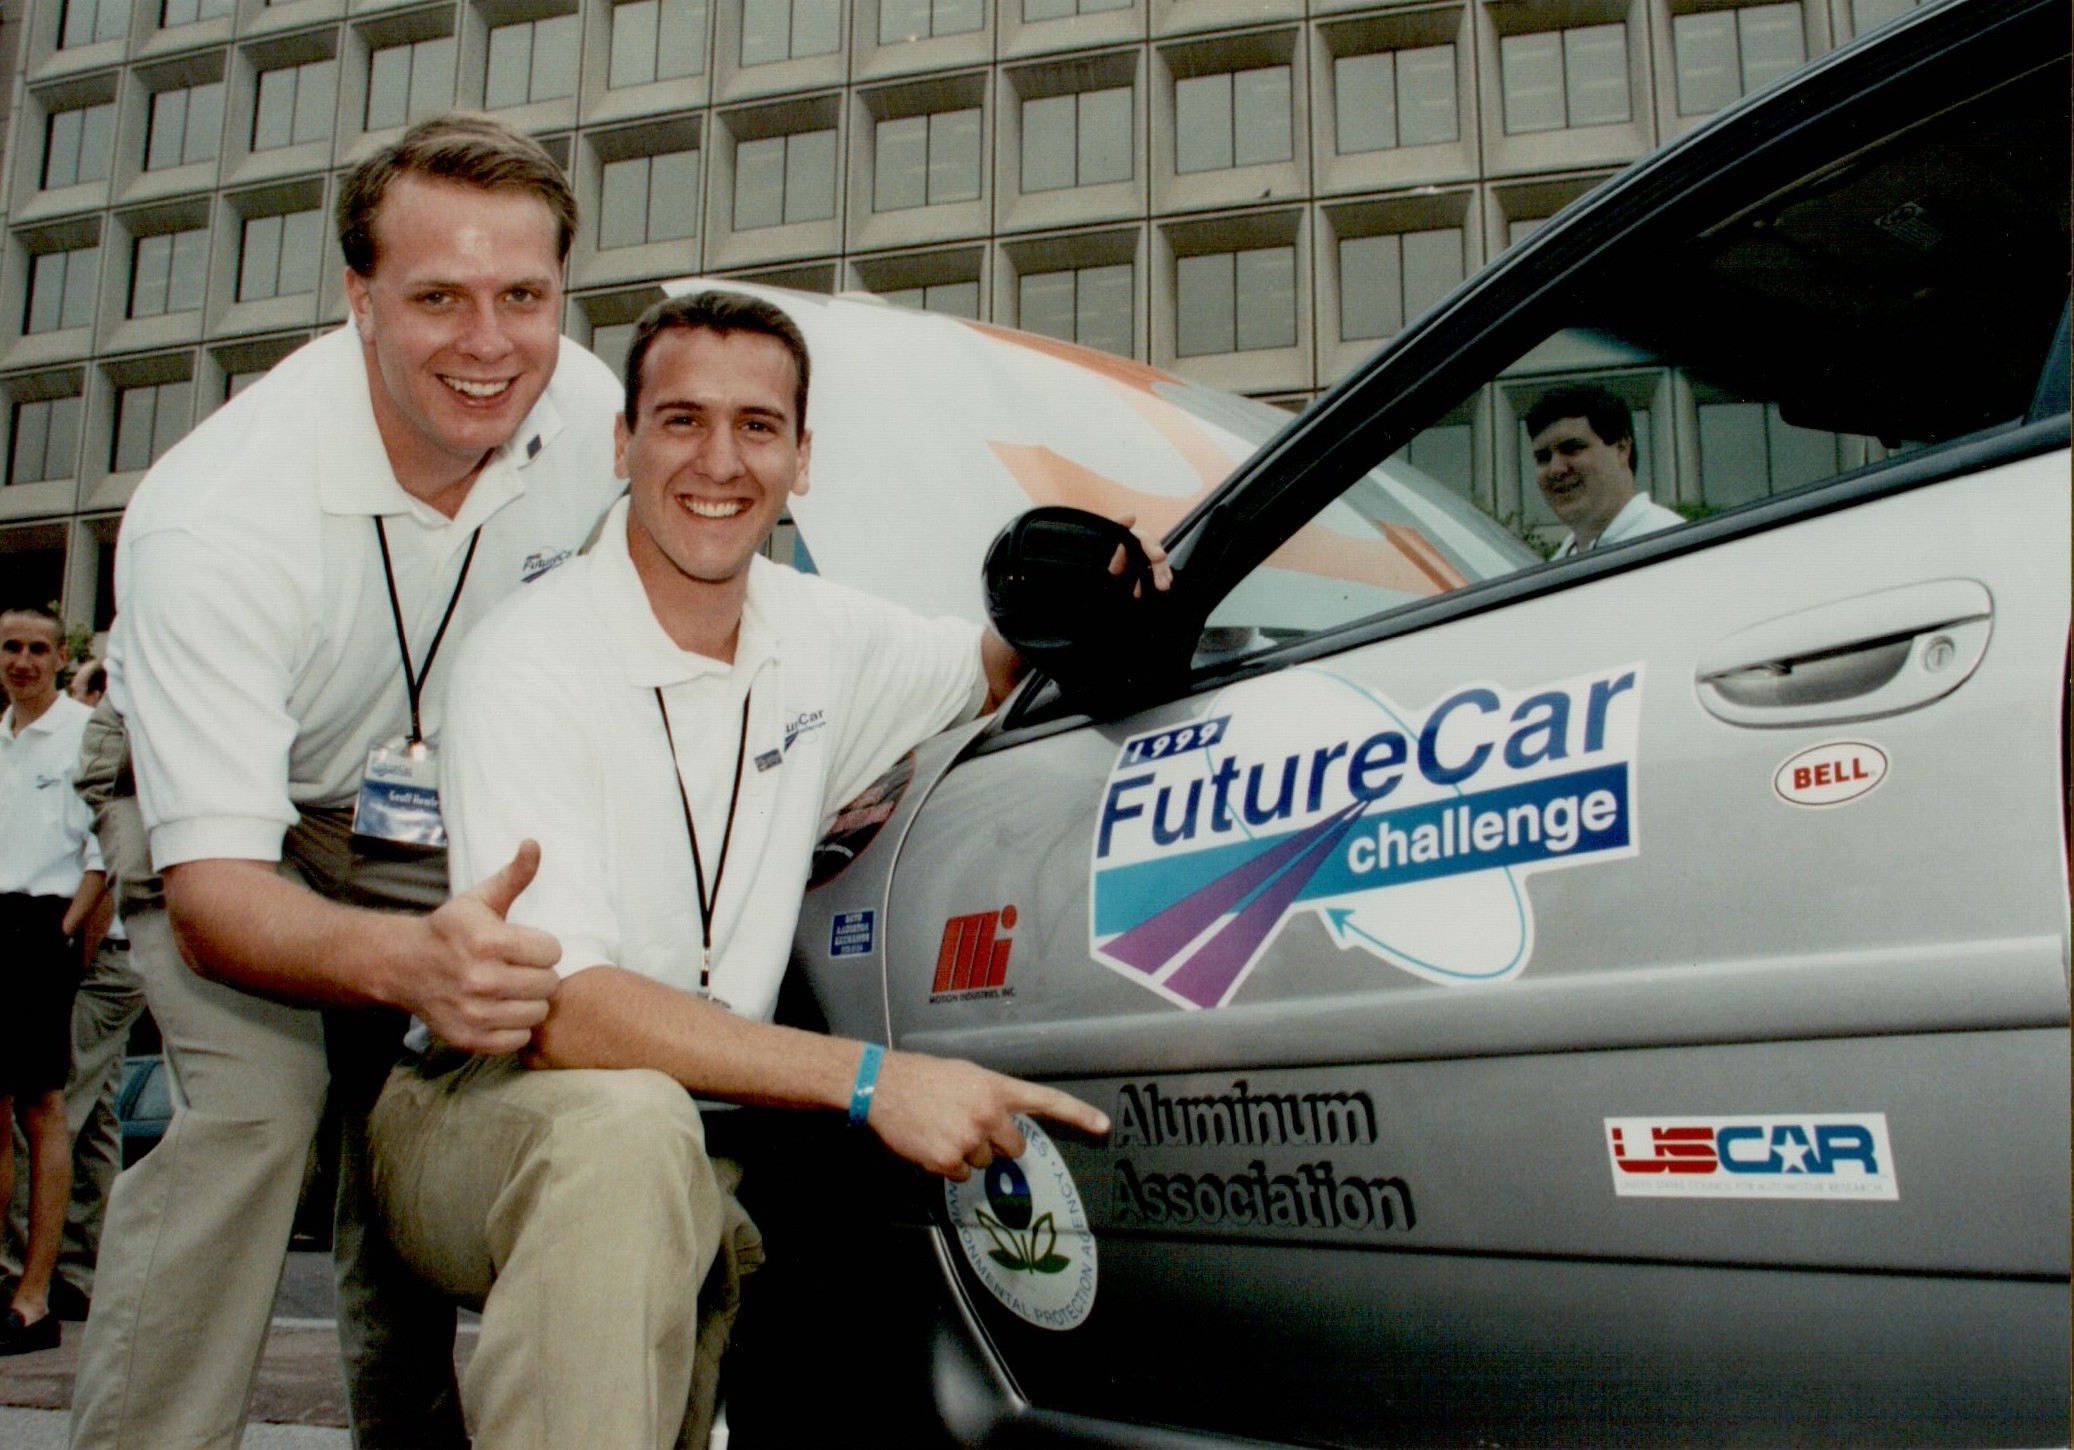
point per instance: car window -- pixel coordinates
(1904, 297)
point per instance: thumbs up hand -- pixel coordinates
(483, 984)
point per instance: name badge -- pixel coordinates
(399, 795)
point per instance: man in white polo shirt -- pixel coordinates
(50, 877)
(1583, 440)
(292, 583)
(671, 718)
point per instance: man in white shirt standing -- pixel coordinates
(1583, 439)
(672, 719)
(293, 580)
(50, 877)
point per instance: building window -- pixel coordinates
(296, 103)
(534, 60)
(1748, 450)
(901, 21)
(1386, 281)
(1869, 14)
(784, 179)
(85, 22)
(1556, 79)
(168, 273)
(1235, 301)
(186, 125)
(926, 160)
(46, 440)
(175, 13)
(1036, 10)
(280, 255)
(1239, 118)
(409, 82)
(148, 421)
(657, 40)
(77, 145)
(775, 30)
(1092, 306)
(61, 290)
(1724, 54)
(953, 299)
(649, 199)
(1395, 98)
(610, 343)
(1077, 140)
(236, 383)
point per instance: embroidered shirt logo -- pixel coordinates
(540, 561)
(799, 725)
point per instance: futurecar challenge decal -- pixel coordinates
(1408, 832)
(1025, 1233)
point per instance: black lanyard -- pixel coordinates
(698, 865)
(414, 684)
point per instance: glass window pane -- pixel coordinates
(60, 459)
(673, 196)
(316, 99)
(46, 293)
(766, 31)
(1048, 144)
(31, 436)
(1798, 455)
(1371, 288)
(151, 268)
(1203, 296)
(1520, 228)
(610, 343)
(902, 158)
(511, 64)
(1364, 89)
(204, 122)
(61, 137)
(1426, 111)
(635, 55)
(1532, 73)
(259, 262)
(1036, 10)
(1432, 268)
(134, 408)
(1045, 304)
(1105, 136)
(1090, 7)
(903, 20)
(1105, 311)
(760, 183)
(1266, 283)
(557, 41)
(1774, 43)
(1202, 123)
(112, 21)
(623, 204)
(953, 156)
(168, 130)
(302, 252)
(388, 86)
(1732, 455)
(81, 265)
(817, 27)
(431, 77)
(1446, 451)
(273, 117)
(1260, 115)
(1595, 67)
(957, 17)
(1866, 14)
(178, 12)
(1705, 46)
(169, 423)
(810, 176)
(681, 48)
(905, 297)
(190, 271)
(953, 299)
(96, 142)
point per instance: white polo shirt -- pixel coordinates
(554, 732)
(1638, 516)
(46, 831)
(254, 654)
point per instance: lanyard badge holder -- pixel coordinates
(398, 804)
(727, 834)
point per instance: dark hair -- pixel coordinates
(40, 611)
(1607, 414)
(471, 150)
(721, 312)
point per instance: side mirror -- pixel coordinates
(1050, 593)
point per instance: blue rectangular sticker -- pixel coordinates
(849, 934)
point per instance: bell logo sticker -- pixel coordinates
(1829, 775)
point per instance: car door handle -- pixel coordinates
(1852, 659)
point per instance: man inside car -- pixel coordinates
(1584, 460)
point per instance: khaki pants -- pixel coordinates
(580, 1211)
(197, 1233)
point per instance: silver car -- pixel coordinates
(1615, 998)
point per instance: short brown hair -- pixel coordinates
(470, 149)
(722, 312)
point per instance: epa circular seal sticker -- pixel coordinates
(1025, 1234)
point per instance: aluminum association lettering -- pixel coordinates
(1408, 833)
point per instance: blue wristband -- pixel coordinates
(867, 1084)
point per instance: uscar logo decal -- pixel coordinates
(1408, 833)
(1024, 1232)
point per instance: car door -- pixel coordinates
(1626, 999)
